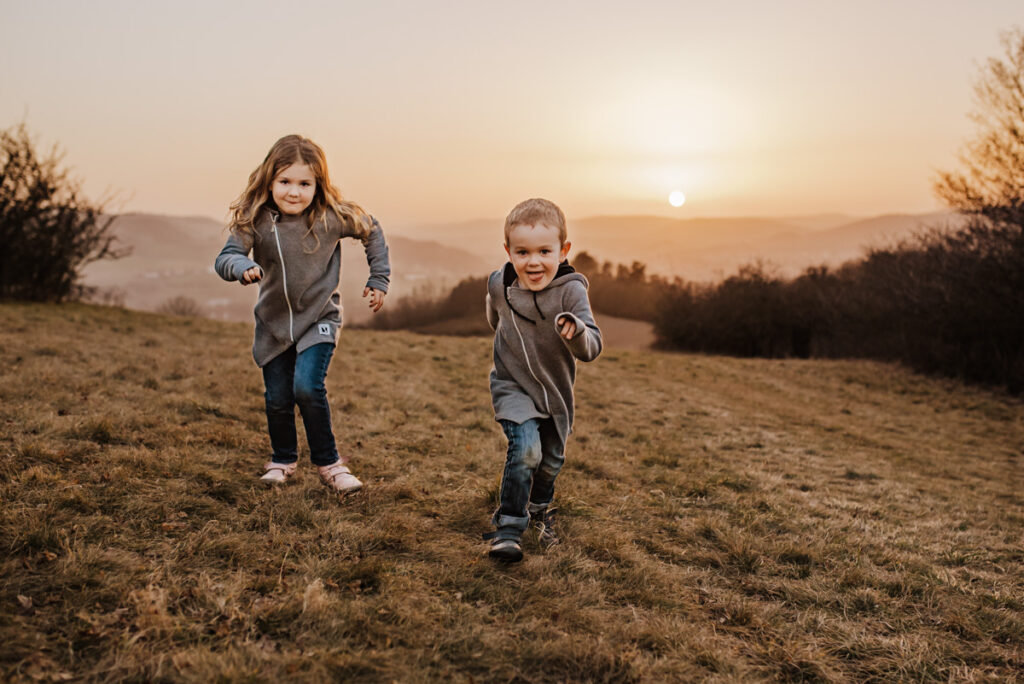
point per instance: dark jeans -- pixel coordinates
(292, 379)
(535, 455)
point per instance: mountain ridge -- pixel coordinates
(173, 255)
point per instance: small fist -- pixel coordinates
(567, 328)
(376, 298)
(253, 275)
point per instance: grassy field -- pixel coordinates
(723, 519)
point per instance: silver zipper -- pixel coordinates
(284, 278)
(529, 367)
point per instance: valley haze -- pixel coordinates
(173, 256)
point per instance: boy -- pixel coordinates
(538, 308)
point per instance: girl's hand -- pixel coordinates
(253, 275)
(376, 298)
(567, 328)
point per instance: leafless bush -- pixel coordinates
(991, 184)
(107, 296)
(745, 315)
(946, 302)
(615, 290)
(49, 232)
(621, 290)
(181, 306)
(423, 309)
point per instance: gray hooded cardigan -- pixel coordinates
(299, 302)
(535, 367)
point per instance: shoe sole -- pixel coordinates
(343, 492)
(506, 555)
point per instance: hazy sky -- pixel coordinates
(448, 110)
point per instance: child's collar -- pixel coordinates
(279, 216)
(508, 275)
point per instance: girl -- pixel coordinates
(292, 220)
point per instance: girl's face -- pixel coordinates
(293, 188)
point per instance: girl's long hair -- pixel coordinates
(289, 150)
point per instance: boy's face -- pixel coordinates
(293, 188)
(535, 253)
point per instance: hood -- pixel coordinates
(508, 274)
(564, 274)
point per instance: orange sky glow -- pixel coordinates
(446, 111)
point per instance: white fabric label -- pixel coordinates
(325, 328)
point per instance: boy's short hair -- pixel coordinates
(534, 211)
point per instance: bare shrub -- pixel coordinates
(621, 290)
(945, 302)
(181, 306)
(424, 309)
(991, 184)
(615, 290)
(48, 230)
(745, 315)
(107, 296)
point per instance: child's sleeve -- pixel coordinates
(377, 257)
(234, 259)
(492, 313)
(586, 343)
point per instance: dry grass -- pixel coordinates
(725, 520)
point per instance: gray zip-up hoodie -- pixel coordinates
(535, 367)
(299, 301)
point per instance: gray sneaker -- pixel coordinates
(506, 550)
(544, 523)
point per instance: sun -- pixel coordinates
(676, 198)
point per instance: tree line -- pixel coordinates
(615, 290)
(949, 302)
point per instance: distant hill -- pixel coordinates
(705, 248)
(173, 256)
(793, 251)
(819, 221)
(882, 229)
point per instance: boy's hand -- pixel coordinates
(567, 328)
(376, 298)
(253, 275)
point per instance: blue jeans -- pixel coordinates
(292, 379)
(535, 455)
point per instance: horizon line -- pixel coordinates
(727, 217)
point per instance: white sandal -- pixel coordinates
(338, 477)
(276, 473)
